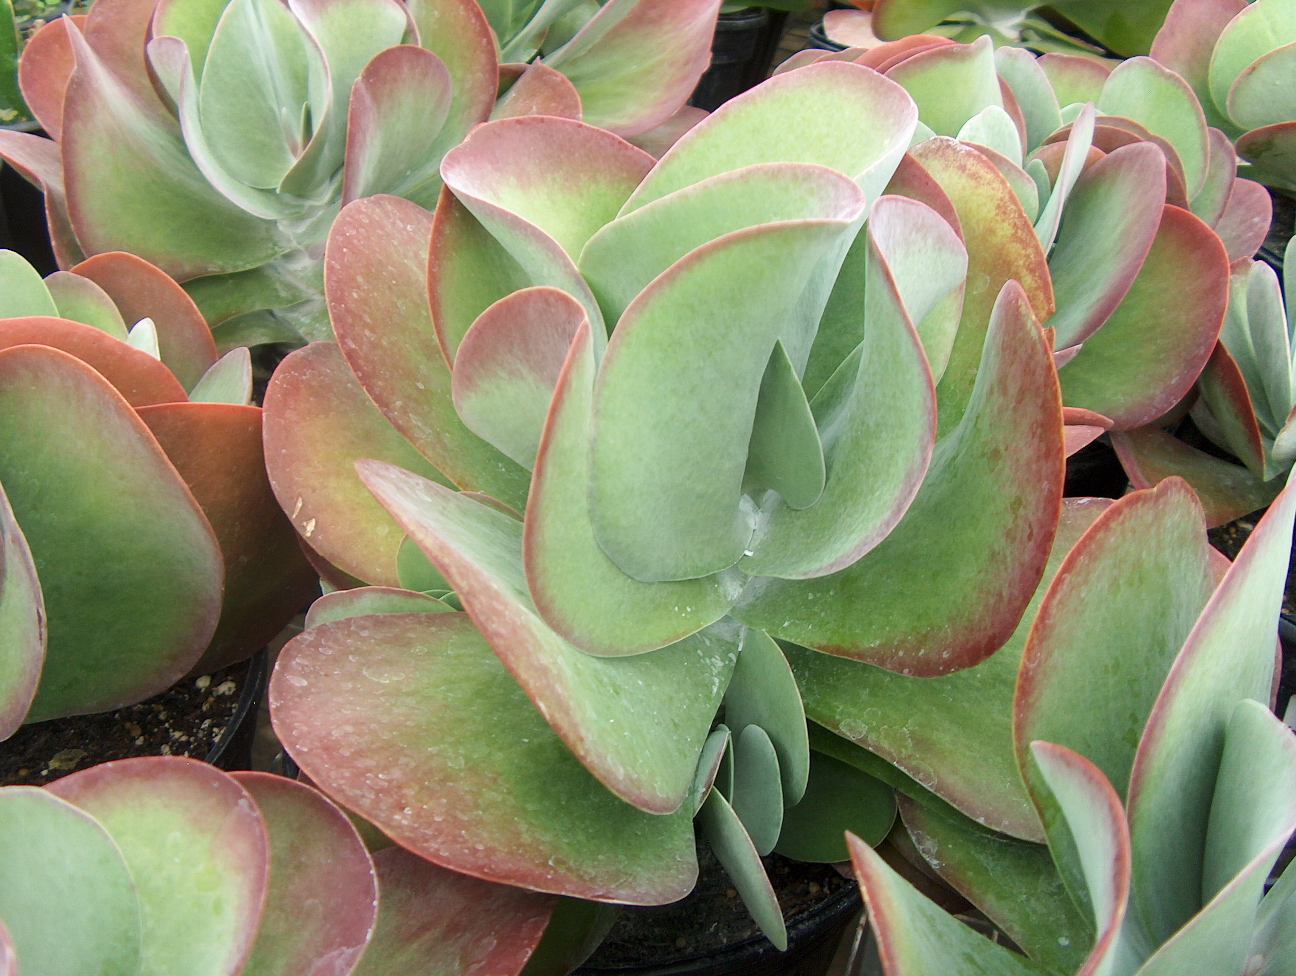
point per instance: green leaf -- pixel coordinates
(839, 115)
(490, 788)
(81, 300)
(1079, 140)
(784, 453)
(456, 31)
(322, 899)
(986, 512)
(22, 624)
(1269, 151)
(129, 568)
(69, 902)
(23, 293)
(735, 851)
(756, 796)
(197, 848)
(1275, 928)
(763, 692)
(1074, 78)
(646, 755)
(953, 732)
(228, 381)
(1228, 657)
(577, 589)
(1034, 94)
(951, 84)
(838, 798)
(916, 936)
(1258, 29)
(1013, 882)
(366, 600)
(12, 106)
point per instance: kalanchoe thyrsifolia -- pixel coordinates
(219, 140)
(1240, 58)
(1244, 405)
(1127, 727)
(689, 405)
(139, 537)
(167, 865)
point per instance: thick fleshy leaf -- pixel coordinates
(508, 364)
(318, 423)
(1074, 78)
(1014, 883)
(1275, 928)
(1253, 813)
(1110, 220)
(1211, 200)
(636, 61)
(1227, 491)
(367, 600)
(1253, 33)
(1227, 657)
(39, 162)
(658, 140)
(1001, 246)
(648, 755)
(43, 72)
(81, 300)
(734, 849)
(1224, 393)
(540, 91)
(216, 448)
(652, 522)
(764, 692)
(69, 904)
(1153, 346)
(197, 848)
(914, 935)
(398, 107)
(954, 732)
(1186, 40)
(756, 796)
(784, 453)
(1078, 146)
(1032, 90)
(1084, 817)
(22, 624)
(914, 624)
(131, 184)
(457, 32)
(24, 291)
(141, 290)
(228, 381)
(951, 84)
(412, 722)
(375, 280)
(1270, 151)
(116, 32)
(1245, 221)
(432, 922)
(838, 798)
(1109, 629)
(105, 497)
(577, 589)
(322, 899)
(1156, 97)
(836, 114)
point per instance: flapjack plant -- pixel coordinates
(621, 570)
(140, 538)
(1240, 59)
(165, 865)
(218, 140)
(1245, 405)
(1127, 727)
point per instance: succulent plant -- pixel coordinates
(1126, 727)
(1239, 58)
(1244, 404)
(165, 143)
(165, 865)
(141, 540)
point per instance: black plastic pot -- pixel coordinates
(742, 50)
(820, 40)
(233, 749)
(812, 939)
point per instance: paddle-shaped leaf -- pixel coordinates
(198, 851)
(577, 589)
(725, 832)
(322, 899)
(367, 600)
(999, 537)
(433, 921)
(838, 798)
(763, 692)
(22, 624)
(412, 722)
(951, 84)
(81, 300)
(457, 32)
(646, 755)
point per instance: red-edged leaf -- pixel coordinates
(912, 180)
(915, 625)
(657, 140)
(457, 32)
(117, 33)
(432, 922)
(1074, 78)
(412, 722)
(1245, 221)
(1186, 41)
(1227, 491)
(1151, 349)
(366, 600)
(322, 900)
(129, 568)
(140, 290)
(216, 448)
(540, 91)
(43, 73)
(376, 285)
(22, 623)
(318, 422)
(40, 163)
(1270, 150)
(1224, 391)
(135, 374)
(197, 848)
(1082, 426)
